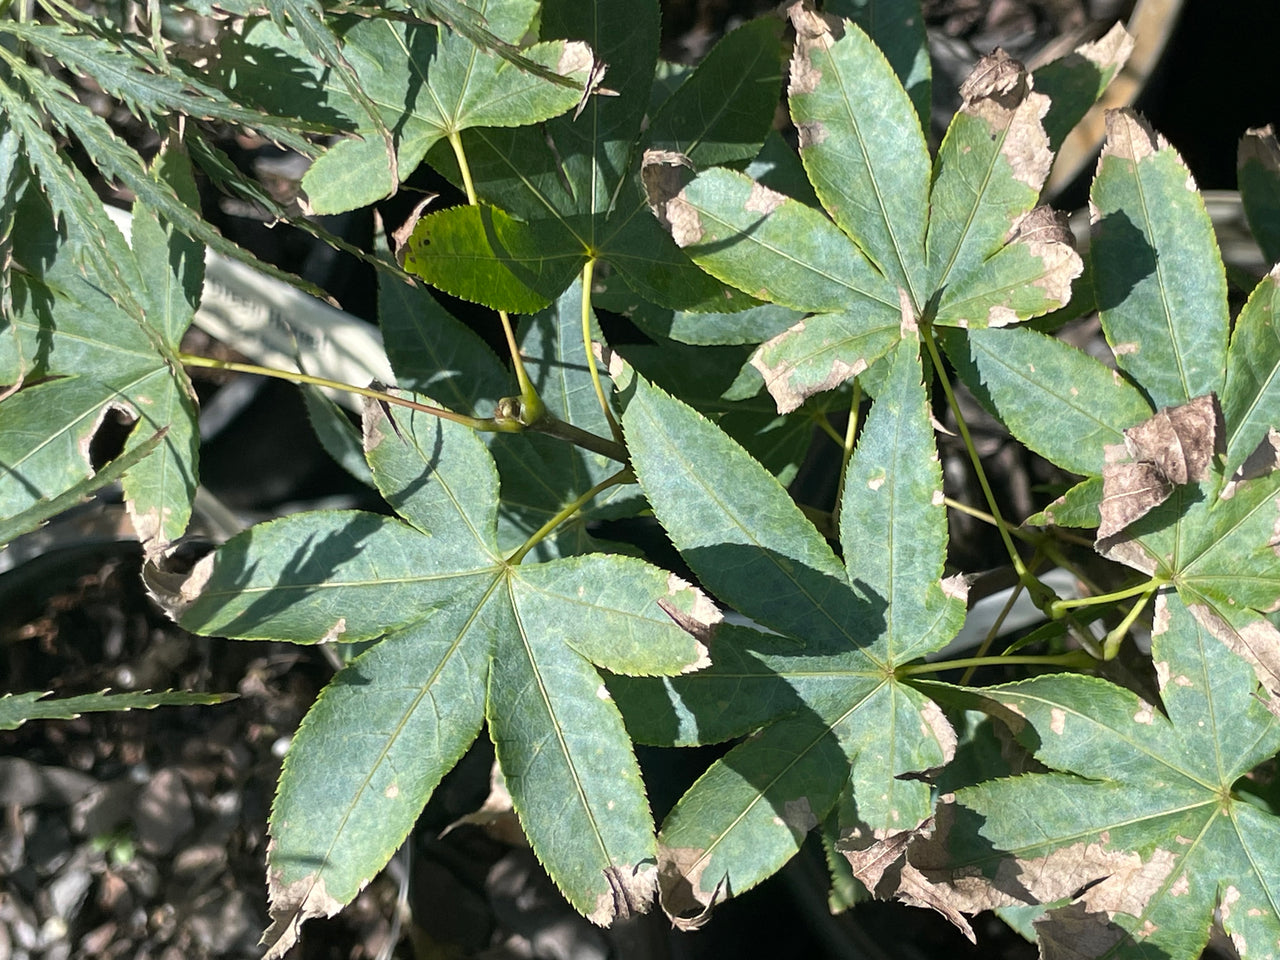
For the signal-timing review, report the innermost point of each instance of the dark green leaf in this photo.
(1074, 83)
(433, 89)
(1259, 176)
(1251, 396)
(722, 112)
(336, 433)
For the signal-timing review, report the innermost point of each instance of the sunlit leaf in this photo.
(1140, 822)
(570, 185)
(467, 637)
(1157, 273)
(821, 696)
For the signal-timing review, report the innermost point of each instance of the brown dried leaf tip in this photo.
(1174, 447)
(176, 576)
(999, 92)
(814, 31)
(680, 886)
(665, 174)
(1259, 145)
(630, 894)
(291, 906)
(997, 77)
(400, 236)
(1130, 137)
(1047, 235)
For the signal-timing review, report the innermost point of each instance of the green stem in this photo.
(588, 272)
(1075, 658)
(555, 427)
(1058, 607)
(506, 420)
(1037, 590)
(529, 398)
(1111, 643)
(994, 632)
(455, 141)
(985, 517)
(475, 423)
(822, 423)
(622, 476)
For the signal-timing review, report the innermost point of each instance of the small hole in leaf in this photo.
(108, 442)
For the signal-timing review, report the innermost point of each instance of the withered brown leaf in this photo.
(1173, 447)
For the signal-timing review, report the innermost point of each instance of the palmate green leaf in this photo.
(105, 355)
(821, 697)
(961, 245)
(1139, 824)
(467, 638)
(17, 708)
(1158, 276)
(1258, 172)
(427, 84)
(1062, 403)
(433, 87)
(572, 183)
